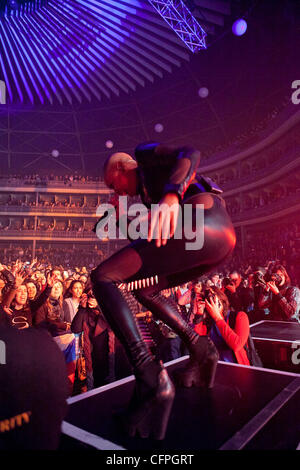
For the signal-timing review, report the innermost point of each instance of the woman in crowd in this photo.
(51, 317)
(72, 300)
(280, 297)
(229, 330)
(36, 297)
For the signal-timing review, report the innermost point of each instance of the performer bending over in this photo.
(163, 176)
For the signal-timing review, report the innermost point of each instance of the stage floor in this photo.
(278, 344)
(282, 331)
(248, 408)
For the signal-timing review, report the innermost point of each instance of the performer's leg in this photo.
(202, 366)
(142, 259)
(154, 392)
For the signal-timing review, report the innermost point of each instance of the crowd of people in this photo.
(61, 301)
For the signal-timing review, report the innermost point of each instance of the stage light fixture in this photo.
(182, 21)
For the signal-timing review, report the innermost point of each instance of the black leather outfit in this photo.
(161, 171)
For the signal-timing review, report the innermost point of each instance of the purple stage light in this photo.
(239, 27)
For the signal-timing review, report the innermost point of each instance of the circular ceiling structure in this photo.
(76, 51)
(19, 8)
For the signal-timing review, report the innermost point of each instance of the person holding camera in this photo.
(282, 299)
(98, 341)
(228, 330)
(194, 297)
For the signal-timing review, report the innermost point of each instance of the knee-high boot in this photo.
(202, 365)
(154, 392)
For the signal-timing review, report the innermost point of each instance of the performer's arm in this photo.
(184, 162)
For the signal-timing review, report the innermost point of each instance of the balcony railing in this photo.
(248, 214)
(47, 234)
(19, 182)
(271, 130)
(279, 164)
(58, 210)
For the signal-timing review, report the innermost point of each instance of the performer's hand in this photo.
(214, 308)
(273, 287)
(164, 219)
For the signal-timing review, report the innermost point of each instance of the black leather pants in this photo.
(173, 265)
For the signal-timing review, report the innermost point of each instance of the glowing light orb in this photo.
(203, 92)
(55, 153)
(239, 27)
(109, 144)
(158, 128)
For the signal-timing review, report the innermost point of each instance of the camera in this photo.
(259, 279)
(228, 282)
(275, 278)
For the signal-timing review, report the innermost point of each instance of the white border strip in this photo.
(277, 340)
(103, 388)
(257, 323)
(264, 369)
(281, 321)
(88, 438)
(242, 437)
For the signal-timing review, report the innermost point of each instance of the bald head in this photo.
(120, 173)
(117, 161)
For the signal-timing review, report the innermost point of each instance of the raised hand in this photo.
(20, 278)
(273, 288)
(50, 280)
(7, 310)
(33, 262)
(83, 300)
(214, 308)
